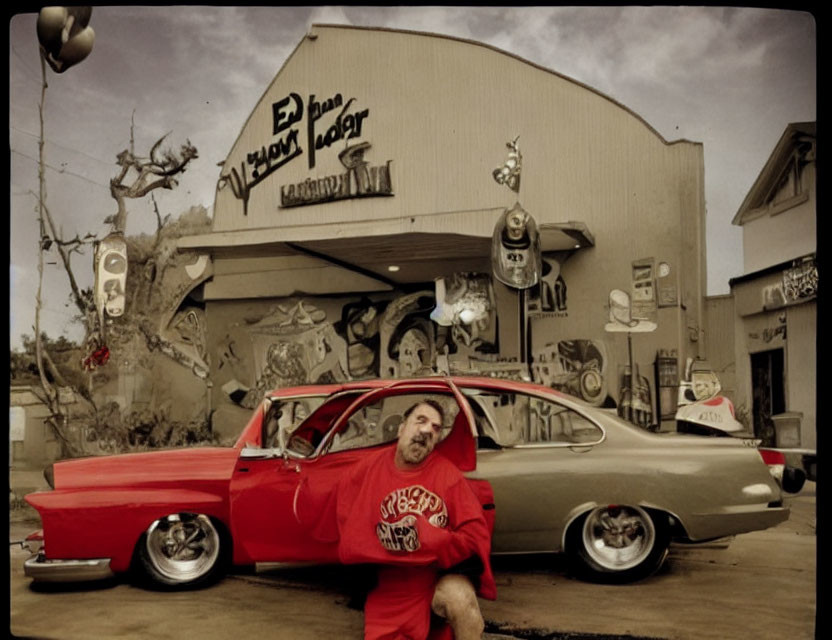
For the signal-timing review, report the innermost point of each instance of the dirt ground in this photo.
(758, 585)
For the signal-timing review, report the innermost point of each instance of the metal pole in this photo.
(632, 376)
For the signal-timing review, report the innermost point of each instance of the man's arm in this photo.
(467, 533)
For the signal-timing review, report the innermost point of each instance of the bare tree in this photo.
(159, 171)
(136, 178)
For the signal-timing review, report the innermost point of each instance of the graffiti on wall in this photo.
(768, 334)
(576, 367)
(327, 122)
(773, 296)
(801, 281)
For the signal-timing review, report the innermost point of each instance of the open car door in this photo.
(322, 449)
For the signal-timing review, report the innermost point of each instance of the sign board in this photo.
(17, 424)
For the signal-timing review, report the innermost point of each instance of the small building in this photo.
(355, 217)
(775, 329)
(32, 443)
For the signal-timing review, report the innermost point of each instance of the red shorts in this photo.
(399, 606)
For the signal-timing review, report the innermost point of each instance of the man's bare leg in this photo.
(456, 601)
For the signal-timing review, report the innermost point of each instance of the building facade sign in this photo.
(287, 144)
(360, 180)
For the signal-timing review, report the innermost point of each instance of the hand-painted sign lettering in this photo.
(360, 180)
(346, 125)
(286, 146)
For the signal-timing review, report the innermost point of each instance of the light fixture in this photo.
(393, 268)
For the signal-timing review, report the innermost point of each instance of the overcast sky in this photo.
(729, 78)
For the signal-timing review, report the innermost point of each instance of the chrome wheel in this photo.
(618, 538)
(182, 548)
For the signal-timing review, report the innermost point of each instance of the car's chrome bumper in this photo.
(42, 569)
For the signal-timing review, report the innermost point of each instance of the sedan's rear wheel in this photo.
(182, 550)
(618, 543)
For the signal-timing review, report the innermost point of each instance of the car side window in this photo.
(512, 419)
(287, 415)
(378, 423)
(552, 422)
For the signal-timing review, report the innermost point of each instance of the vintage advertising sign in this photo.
(643, 299)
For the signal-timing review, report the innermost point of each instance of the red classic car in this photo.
(564, 476)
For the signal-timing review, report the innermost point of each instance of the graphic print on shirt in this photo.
(397, 529)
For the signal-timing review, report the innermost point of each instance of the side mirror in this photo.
(256, 453)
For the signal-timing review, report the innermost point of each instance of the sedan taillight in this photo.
(776, 462)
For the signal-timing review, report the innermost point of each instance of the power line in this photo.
(33, 76)
(58, 144)
(63, 171)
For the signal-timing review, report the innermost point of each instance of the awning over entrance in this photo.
(396, 257)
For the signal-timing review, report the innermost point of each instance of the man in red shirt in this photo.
(410, 510)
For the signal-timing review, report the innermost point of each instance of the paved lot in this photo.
(761, 585)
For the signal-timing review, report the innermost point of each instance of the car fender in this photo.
(575, 513)
(585, 507)
(108, 522)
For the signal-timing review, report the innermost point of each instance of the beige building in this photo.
(776, 299)
(32, 443)
(362, 191)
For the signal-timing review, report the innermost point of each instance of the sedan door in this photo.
(534, 452)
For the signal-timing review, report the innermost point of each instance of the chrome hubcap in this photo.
(183, 547)
(618, 537)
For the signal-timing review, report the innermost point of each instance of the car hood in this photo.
(148, 468)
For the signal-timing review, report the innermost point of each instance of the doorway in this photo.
(768, 392)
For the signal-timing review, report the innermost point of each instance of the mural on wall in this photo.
(408, 341)
(465, 303)
(549, 299)
(801, 281)
(328, 121)
(298, 342)
(295, 345)
(577, 367)
(188, 328)
(360, 327)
